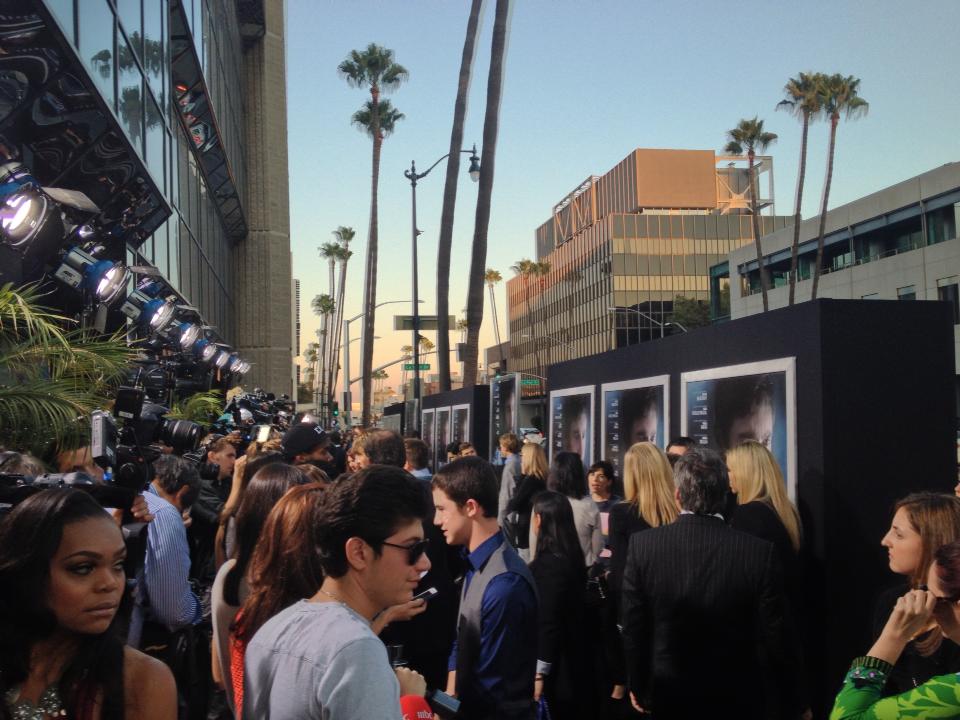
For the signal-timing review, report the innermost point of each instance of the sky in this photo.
(585, 83)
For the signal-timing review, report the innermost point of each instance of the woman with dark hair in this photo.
(566, 477)
(62, 580)
(937, 697)
(268, 485)
(602, 479)
(244, 470)
(563, 660)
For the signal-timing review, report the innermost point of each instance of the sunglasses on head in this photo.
(415, 551)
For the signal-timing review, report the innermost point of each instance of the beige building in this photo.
(622, 246)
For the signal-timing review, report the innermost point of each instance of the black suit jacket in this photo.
(702, 612)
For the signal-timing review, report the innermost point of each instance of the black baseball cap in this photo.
(303, 439)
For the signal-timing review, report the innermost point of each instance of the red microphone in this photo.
(415, 707)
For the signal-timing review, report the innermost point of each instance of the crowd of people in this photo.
(314, 575)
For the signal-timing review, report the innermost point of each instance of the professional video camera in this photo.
(261, 408)
(131, 447)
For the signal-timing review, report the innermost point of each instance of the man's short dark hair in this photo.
(469, 478)
(371, 504)
(682, 441)
(172, 473)
(417, 452)
(453, 448)
(701, 478)
(384, 447)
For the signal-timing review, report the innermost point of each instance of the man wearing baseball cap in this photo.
(306, 442)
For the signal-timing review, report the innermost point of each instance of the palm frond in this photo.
(42, 413)
(22, 315)
(200, 407)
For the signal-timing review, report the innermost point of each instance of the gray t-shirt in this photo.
(318, 660)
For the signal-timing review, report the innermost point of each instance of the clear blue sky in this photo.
(586, 82)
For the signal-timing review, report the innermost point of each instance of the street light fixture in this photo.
(346, 355)
(412, 175)
(659, 324)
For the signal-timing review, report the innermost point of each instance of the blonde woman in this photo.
(532, 480)
(650, 502)
(763, 508)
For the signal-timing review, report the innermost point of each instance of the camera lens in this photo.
(181, 434)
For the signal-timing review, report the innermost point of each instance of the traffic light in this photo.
(336, 409)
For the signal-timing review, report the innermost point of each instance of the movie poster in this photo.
(633, 411)
(571, 422)
(503, 407)
(443, 438)
(460, 429)
(428, 435)
(725, 406)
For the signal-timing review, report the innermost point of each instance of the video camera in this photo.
(131, 446)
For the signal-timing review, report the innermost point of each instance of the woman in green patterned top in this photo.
(939, 697)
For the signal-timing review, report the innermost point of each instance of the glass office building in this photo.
(619, 250)
(145, 106)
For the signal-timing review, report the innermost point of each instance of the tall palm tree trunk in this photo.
(370, 285)
(531, 325)
(445, 244)
(755, 210)
(478, 258)
(331, 356)
(338, 328)
(801, 177)
(496, 324)
(834, 121)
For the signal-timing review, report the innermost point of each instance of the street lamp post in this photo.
(661, 325)
(346, 357)
(413, 176)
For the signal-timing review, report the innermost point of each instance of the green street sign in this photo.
(411, 366)
(530, 381)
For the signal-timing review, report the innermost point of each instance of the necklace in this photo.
(332, 596)
(49, 704)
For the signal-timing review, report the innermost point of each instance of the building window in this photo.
(907, 293)
(947, 290)
(870, 296)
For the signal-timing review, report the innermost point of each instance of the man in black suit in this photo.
(703, 611)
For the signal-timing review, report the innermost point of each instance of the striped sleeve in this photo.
(166, 569)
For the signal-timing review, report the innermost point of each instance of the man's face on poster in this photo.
(643, 428)
(577, 436)
(755, 425)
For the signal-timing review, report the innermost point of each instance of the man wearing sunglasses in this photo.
(494, 659)
(319, 657)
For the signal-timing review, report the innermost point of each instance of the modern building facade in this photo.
(170, 115)
(896, 244)
(620, 248)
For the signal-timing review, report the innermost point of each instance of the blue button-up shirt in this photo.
(508, 627)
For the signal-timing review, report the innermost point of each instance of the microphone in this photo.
(445, 706)
(415, 707)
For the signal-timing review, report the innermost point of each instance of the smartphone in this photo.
(427, 594)
(263, 433)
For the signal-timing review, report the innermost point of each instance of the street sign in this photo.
(411, 366)
(427, 322)
(530, 381)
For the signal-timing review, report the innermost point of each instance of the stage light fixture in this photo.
(30, 224)
(221, 359)
(235, 363)
(244, 367)
(104, 278)
(189, 334)
(153, 313)
(204, 350)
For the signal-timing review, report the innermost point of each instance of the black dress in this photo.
(563, 639)
(759, 519)
(522, 504)
(624, 522)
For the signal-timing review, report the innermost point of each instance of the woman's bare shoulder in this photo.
(151, 692)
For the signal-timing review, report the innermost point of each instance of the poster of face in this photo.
(503, 407)
(633, 411)
(443, 437)
(571, 422)
(427, 433)
(460, 431)
(725, 406)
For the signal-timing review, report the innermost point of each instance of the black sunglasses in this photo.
(415, 551)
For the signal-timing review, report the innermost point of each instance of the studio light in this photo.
(105, 279)
(221, 360)
(31, 225)
(235, 363)
(152, 313)
(189, 334)
(244, 367)
(204, 350)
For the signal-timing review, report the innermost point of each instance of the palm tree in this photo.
(375, 69)
(540, 270)
(323, 306)
(492, 277)
(310, 355)
(839, 95)
(445, 244)
(344, 235)
(329, 251)
(52, 374)
(749, 136)
(526, 268)
(478, 256)
(803, 101)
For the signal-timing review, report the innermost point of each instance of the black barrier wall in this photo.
(875, 388)
(478, 398)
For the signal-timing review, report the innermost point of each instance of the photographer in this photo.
(165, 601)
(205, 512)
